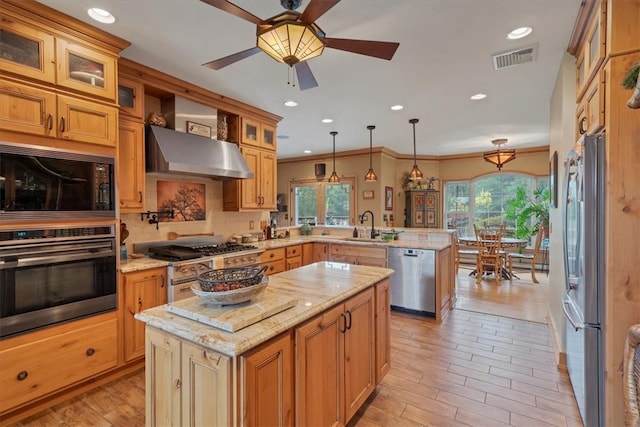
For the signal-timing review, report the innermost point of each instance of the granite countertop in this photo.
(316, 287)
(408, 243)
(144, 263)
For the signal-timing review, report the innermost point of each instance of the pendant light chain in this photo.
(371, 175)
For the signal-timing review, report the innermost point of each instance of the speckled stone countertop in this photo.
(316, 287)
(414, 244)
(143, 263)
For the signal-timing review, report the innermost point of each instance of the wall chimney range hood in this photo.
(170, 151)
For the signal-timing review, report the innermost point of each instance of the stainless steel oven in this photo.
(53, 275)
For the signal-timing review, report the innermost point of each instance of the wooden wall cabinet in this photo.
(43, 366)
(186, 384)
(258, 134)
(257, 193)
(131, 97)
(268, 398)
(383, 329)
(593, 50)
(359, 255)
(131, 166)
(27, 51)
(336, 350)
(142, 289)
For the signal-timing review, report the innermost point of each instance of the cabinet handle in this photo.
(162, 284)
(91, 351)
(50, 122)
(349, 313)
(22, 375)
(343, 316)
(62, 125)
(178, 383)
(140, 193)
(581, 128)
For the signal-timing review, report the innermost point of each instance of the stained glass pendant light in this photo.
(499, 156)
(334, 178)
(415, 174)
(371, 175)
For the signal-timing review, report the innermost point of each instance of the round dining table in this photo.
(506, 242)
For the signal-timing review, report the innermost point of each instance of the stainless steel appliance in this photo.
(38, 183)
(53, 275)
(584, 253)
(413, 286)
(190, 257)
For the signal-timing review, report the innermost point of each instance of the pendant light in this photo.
(415, 174)
(371, 175)
(334, 178)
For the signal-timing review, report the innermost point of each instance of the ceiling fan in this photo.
(293, 38)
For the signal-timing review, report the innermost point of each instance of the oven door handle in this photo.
(39, 260)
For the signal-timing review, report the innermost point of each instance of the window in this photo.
(321, 203)
(482, 200)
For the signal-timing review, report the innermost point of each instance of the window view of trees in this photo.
(321, 203)
(482, 201)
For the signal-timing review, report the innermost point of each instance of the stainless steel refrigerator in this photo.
(583, 228)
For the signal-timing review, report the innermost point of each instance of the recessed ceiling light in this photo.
(478, 96)
(290, 103)
(327, 120)
(519, 33)
(101, 15)
(397, 107)
(307, 151)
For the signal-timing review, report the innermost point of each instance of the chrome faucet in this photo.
(363, 218)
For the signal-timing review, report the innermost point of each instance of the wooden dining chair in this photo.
(459, 253)
(631, 377)
(490, 254)
(532, 257)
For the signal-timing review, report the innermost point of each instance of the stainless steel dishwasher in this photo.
(413, 286)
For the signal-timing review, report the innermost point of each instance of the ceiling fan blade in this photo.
(315, 9)
(234, 10)
(228, 60)
(382, 50)
(306, 80)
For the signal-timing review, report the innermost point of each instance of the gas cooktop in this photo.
(223, 248)
(181, 252)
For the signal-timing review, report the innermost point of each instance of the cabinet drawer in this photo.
(294, 251)
(274, 267)
(359, 251)
(294, 262)
(41, 367)
(272, 255)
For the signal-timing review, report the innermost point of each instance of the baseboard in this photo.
(561, 357)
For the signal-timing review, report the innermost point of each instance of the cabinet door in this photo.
(319, 370)
(268, 134)
(131, 97)
(250, 132)
(206, 387)
(594, 104)
(581, 120)
(162, 379)
(268, 384)
(27, 51)
(85, 121)
(274, 267)
(86, 70)
(27, 109)
(307, 253)
(250, 191)
(383, 331)
(359, 352)
(268, 181)
(320, 252)
(294, 263)
(131, 168)
(142, 290)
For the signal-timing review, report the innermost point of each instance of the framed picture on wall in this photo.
(367, 194)
(388, 198)
(553, 179)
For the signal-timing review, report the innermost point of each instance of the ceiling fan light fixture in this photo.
(415, 174)
(290, 41)
(334, 178)
(370, 176)
(499, 157)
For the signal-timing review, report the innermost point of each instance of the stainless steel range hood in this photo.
(169, 151)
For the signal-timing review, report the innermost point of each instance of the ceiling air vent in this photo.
(514, 57)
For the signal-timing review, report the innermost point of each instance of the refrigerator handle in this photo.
(566, 307)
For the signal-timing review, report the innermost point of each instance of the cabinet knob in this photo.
(271, 255)
(91, 351)
(22, 375)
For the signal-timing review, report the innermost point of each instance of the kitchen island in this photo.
(197, 374)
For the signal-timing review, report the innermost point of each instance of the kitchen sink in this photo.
(365, 240)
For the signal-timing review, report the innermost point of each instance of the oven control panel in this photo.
(241, 260)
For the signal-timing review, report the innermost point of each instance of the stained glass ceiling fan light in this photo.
(371, 175)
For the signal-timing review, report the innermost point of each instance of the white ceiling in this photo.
(444, 57)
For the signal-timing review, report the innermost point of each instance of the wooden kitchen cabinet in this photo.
(445, 283)
(131, 166)
(27, 51)
(314, 252)
(359, 255)
(131, 97)
(293, 257)
(422, 209)
(268, 383)
(274, 259)
(257, 193)
(335, 362)
(142, 289)
(258, 134)
(86, 121)
(43, 366)
(186, 384)
(383, 330)
(590, 110)
(593, 50)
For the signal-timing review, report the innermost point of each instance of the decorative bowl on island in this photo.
(235, 296)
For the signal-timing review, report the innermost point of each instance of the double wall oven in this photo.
(50, 275)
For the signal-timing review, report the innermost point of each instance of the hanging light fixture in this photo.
(334, 178)
(499, 157)
(290, 41)
(415, 174)
(371, 175)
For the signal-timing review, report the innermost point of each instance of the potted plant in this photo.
(529, 212)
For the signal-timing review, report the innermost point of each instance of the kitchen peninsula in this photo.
(197, 374)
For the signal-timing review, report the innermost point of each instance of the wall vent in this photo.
(515, 57)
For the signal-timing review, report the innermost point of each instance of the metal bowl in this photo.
(236, 296)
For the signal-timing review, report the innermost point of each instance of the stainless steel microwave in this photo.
(39, 183)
